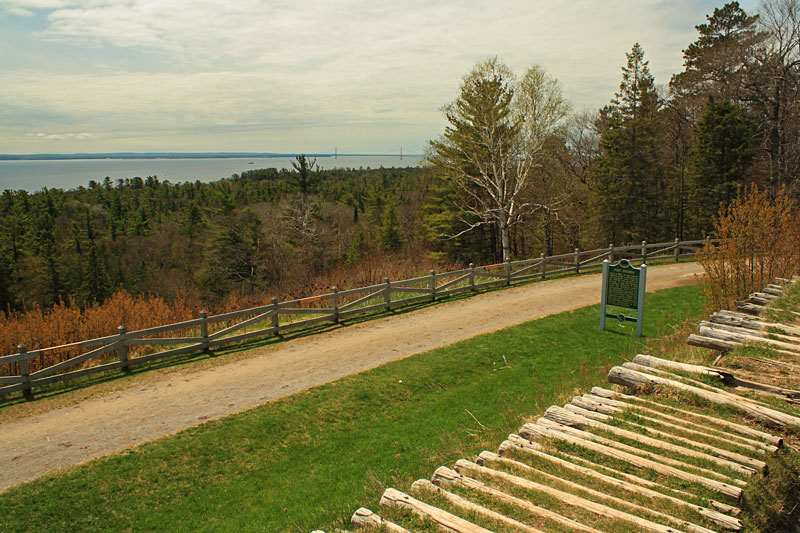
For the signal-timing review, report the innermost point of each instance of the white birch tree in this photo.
(497, 128)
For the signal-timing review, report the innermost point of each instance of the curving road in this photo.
(72, 435)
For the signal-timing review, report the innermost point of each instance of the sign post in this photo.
(623, 286)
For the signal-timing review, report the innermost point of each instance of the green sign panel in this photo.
(623, 285)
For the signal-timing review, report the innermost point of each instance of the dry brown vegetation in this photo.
(759, 242)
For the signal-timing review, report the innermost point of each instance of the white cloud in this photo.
(315, 64)
(20, 11)
(62, 136)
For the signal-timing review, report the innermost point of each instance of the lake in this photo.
(71, 173)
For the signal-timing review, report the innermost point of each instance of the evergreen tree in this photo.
(720, 159)
(305, 178)
(716, 63)
(477, 153)
(95, 277)
(389, 236)
(236, 254)
(629, 190)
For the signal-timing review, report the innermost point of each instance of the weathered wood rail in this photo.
(207, 332)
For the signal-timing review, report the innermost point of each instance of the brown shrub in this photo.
(760, 240)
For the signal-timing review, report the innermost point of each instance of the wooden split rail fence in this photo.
(25, 369)
(608, 457)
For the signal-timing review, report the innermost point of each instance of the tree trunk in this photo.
(505, 240)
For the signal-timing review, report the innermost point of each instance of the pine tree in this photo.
(304, 179)
(720, 159)
(629, 192)
(716, 63)
(389, 236)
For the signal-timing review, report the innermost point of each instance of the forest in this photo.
(516, 172)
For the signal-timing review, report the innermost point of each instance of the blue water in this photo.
(72, 173)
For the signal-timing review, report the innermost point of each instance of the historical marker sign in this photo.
(623, 286)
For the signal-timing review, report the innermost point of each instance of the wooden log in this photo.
(749, 308)
(521, 442)
(770, 289)
(755, 321)
(657, 362)
(727, 376)
(764, 296)
(739, 428)
(684, 426)
(585, 435)
(693, 382)
(364, 518)
(600, 417)
(725, 323)
(752, 308)
(741, 337)
(739, 314)
(536, 432)
(712, 344)
(585, 402)
(684, 379)
(721, 519)
(463, 503)
(570, 499)
(754, 465)
(724, 520)
(446, 476)
(781, 364)
(738, 320)
(757, 300)
(443, 519)
(570, 419)
(633, 379)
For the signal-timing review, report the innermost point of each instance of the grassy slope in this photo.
(309, 460)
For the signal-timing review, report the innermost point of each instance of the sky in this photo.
(360, 76)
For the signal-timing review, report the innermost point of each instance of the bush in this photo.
(760, 240)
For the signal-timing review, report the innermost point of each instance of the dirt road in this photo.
(68, 436)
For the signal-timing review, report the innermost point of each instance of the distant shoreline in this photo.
(174, 155)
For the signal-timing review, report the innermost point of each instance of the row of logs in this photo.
(660, 435)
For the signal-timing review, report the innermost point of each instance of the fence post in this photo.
(204, 329)
(432, 285)
(644, 251)
(677, 249)
(335, 299)
(25, 372)
(472, 277)
(387, 293)
(123, 349)
(542, 270)
(275, 319)
(507, 270)
(577, 262)
(611, 252)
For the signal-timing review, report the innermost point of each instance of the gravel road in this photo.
(99, 426)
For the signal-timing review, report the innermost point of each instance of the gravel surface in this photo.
(99, 426)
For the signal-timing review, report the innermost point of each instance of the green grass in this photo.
(309, 460)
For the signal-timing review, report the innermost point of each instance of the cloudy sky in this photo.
(366, 76)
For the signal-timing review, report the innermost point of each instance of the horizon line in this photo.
(189, 155)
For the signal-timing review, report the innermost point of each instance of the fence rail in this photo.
(206, 332)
